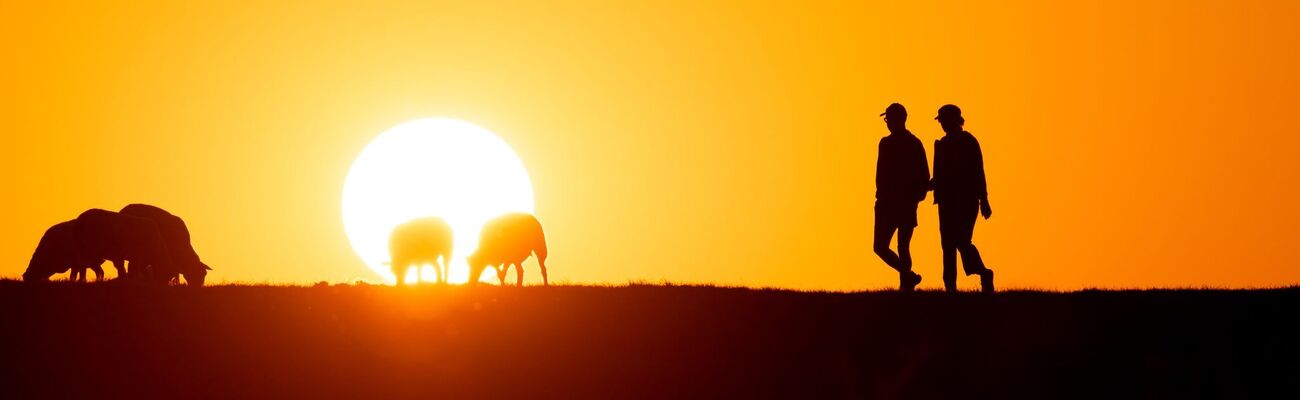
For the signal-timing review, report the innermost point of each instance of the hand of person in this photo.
(985, 209)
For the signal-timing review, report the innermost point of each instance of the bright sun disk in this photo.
(440, 167)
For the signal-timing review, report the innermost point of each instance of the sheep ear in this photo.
(205, 266)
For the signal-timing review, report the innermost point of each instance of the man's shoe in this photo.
(986, 280)
(909, 282)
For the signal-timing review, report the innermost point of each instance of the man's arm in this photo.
(880, 166)
(922, 168)
(983, 189)
(936, 183)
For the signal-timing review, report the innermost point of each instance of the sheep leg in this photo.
(99, 272)
(437, 271)
(475, 273)
(399, 271)
(75, 274)
(519, 271)
(120, 266)
(501, 273)
(542, 264)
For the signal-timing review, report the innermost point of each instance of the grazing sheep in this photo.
(98, 235)
(506, 240)
(417, 242)
(120, 238)
(177, 238)
(57, 252)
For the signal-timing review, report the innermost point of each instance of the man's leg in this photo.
(905, 248)
(883, 233)
(946, 239)
(974, 265)
(949, 268)
(971, 261)
(961, 229)
(907, 279)
(888, 221)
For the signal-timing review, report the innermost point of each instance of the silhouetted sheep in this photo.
(97, 235)
(506, 240)
(177, 238)
(417, 242)
(57, 252)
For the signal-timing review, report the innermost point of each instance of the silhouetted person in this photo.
(961, 193)
(902, 179)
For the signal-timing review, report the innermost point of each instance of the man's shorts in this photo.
(896, 215)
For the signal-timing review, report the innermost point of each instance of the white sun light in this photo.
(439, 167)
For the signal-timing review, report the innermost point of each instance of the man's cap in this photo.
(895, 109)
(949, 112)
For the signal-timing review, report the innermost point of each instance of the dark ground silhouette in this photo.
(113, 340)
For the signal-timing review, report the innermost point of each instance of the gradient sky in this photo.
(1128, 143)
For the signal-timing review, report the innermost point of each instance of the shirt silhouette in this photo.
(902, 170)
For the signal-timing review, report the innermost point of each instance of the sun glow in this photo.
(439, 167)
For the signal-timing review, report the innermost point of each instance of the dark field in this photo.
(114, 341)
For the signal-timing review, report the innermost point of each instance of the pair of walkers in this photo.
(902, 181)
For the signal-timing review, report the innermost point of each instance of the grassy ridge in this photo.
(65, 340)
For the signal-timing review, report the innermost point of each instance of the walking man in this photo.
(961, 193)
(902, 179)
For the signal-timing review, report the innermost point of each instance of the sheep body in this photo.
(177, 237)
(57, 252)
(509, 240)
(418, 242)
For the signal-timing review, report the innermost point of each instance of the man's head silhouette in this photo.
(895, 117)
(950, 118)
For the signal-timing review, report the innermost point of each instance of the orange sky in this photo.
(1128, 144)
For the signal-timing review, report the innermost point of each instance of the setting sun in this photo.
(439, 167)
(676, 199)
